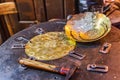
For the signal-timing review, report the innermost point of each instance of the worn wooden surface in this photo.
(37, 11)
(40, 10)
(10, 69)
(3, 30)
(115, 16)
(7, 8)
(54, 9)
(69, 7)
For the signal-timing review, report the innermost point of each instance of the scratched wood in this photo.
(7, 8)
(29, 12)
(54, 9)
(40, 10)
(37, 11)
(26, 10)
(69, 7)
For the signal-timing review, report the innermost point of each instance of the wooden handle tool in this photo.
(44, 66)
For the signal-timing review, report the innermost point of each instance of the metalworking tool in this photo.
(105, 48)
(52, 68)
(97, 68)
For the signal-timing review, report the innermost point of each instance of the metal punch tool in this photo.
(39, 31)
(105, 48)
(21, 38)
(18, 46)
(97, 68)
(77, 55)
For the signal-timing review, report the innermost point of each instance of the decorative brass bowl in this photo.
(87, 27)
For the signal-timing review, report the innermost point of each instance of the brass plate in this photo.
(49, 46)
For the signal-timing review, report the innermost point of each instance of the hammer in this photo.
(48, 67)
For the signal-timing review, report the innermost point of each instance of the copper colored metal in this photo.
(97, 68)
(105, 48)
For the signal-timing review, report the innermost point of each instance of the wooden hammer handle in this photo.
(38, 65)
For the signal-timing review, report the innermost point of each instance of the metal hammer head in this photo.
(71, 72)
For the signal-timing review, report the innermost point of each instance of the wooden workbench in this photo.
(10, 69)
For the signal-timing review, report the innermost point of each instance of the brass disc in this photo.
(49, 46)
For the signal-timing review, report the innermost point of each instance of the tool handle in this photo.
(39, 65)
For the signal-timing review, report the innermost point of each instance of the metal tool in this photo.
(18, 45)
(77, 55)
(21, 38)
(71, 72)
(52, 68)
(39, 31)
(97, 68)
(105, 48)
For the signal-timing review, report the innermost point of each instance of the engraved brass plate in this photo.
(49, 46)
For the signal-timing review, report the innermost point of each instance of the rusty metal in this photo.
(39, 31)
(18, 46)
(105, 48)
(76, 55)
(97, 68)
(21, 38)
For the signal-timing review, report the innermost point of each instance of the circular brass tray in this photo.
(49, 46)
